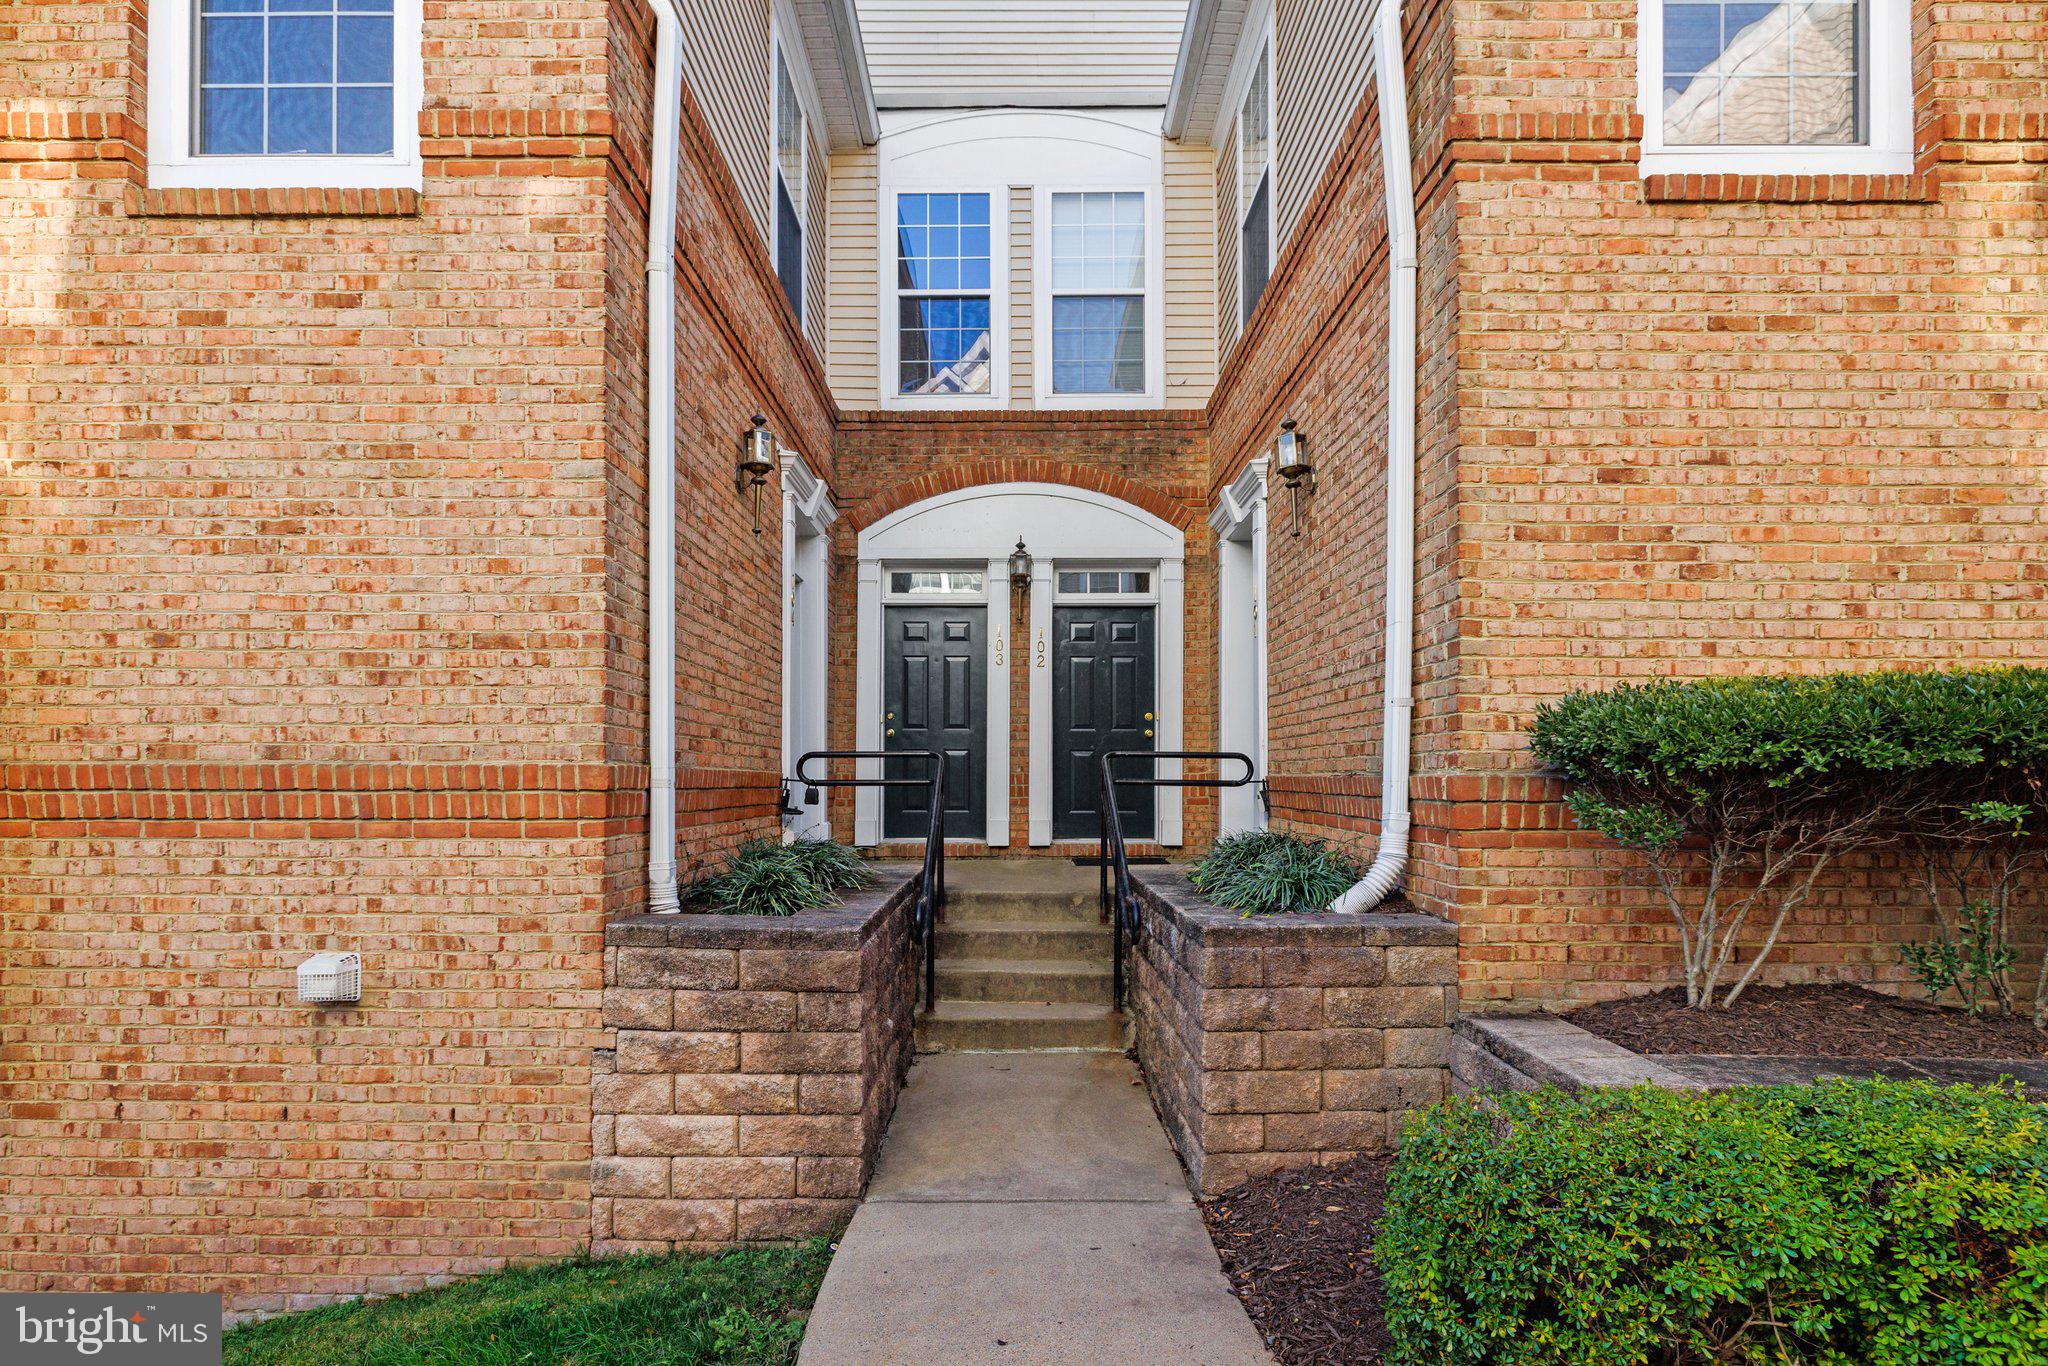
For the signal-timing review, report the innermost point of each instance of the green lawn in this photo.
(742, 1306)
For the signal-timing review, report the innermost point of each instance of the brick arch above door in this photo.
(969, 474)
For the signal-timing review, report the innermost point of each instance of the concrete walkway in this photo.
(1027, 1209)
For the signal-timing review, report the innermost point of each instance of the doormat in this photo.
(1133, 861)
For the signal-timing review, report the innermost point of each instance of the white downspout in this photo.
(1398, 689)
(661, 466)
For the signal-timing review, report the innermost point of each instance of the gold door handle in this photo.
(1148, 734)
(892, 731)
(1148, 716)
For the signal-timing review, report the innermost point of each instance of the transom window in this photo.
(1098, 293)
(304, 76)
(1105, 581)
(789, 186)
(1255, 189)
(945, 340)
(1797, 86)
(937, 582)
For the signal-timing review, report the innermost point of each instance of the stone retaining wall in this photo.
(1277, 1041)
(758, 1060)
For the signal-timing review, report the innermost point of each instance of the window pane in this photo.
(301, 120)
(942, 241)
(301, 49)
(789, 248)
(233, 51)
(362, 49)
(1098, 344)
(1745, 73)
(1254, 138)
(1098, 241)
(789, 132)
(362, 120)
(1254, 261)
(231, 121)
(944, 345)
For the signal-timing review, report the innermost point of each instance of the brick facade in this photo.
(323, 569)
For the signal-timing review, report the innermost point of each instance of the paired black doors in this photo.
(1104, 697)
(935, 696)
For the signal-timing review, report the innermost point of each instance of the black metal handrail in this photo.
(1119, 903)
(931, 891)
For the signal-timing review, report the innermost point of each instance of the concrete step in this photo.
(1058, 940)
(1016, 1027)
(999, 979)
(981, 906)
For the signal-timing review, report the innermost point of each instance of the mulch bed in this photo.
(1297, 1246)
(1808, 1021)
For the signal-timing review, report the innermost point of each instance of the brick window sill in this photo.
(150, 202)
(1918, 188)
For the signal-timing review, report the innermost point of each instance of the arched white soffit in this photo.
(1031, 147)
(1056, 521)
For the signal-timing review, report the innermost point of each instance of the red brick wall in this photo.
(1154, 460)
(1315, 352)
(1702, 438)
(323, 568)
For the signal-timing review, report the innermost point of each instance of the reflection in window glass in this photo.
(945, 341)
(1254, 191)
(1098, 302)
(937, 581)
(309, 77)
(1763, 75)
(789, 188)
(1105, 581)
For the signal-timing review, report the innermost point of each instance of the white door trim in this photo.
(981, 525)
(807, 516)
(1239, 519)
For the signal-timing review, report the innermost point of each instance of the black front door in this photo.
(1103, 698)
(935, 696)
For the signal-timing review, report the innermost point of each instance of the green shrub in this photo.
(1765, 782)
(1850, 1222)
(1269, 872)
(766, 877)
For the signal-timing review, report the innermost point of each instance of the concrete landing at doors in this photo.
(1027, 1209)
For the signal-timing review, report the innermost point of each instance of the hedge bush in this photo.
(1270, 872)
(767, 877)
(1766, 781)
(1868, 1222)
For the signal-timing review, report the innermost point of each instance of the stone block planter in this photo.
(756, 1065)
(1275, 1041)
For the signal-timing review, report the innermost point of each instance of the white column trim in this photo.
(1239, 519)
(1172, 694)
(998, 674)
(1040, 663)
(867, 701)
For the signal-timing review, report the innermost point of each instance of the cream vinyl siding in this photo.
(1190, 275)
(1024, 52)
(725, 60)
(1320, 50)
(853, 322)
(1225, 165)
(817, 245)
(1021, 300)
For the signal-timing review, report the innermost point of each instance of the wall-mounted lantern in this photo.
(1291, 463)
(757, 461)
(1020, 568)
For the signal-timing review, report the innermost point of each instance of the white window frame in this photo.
(1148, 598)
(1238, 91)
(998, 298)
(1154, 393)
(793, 58)
(1888, 97)
(173, 89)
